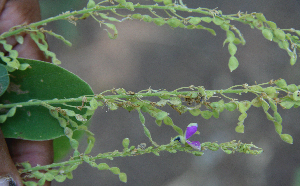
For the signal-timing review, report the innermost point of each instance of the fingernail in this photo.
(7, 181)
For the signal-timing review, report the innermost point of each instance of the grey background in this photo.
(146, 55)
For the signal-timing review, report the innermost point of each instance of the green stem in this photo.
(104, 97)
(104, 8)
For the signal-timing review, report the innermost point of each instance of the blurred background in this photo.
(145, 55)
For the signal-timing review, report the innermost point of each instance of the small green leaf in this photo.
(113, 27)
(270, 90)
(91, 4)
(168, 121)
(206, 114)
(242, 117)
(19, 39)
(161, 115)
(11, 112)
(231, 106)
(277, 117)
(225, 26)
(125, 142)
(292, 88)
(129, 6)
(147, 18)
(278, 127)
(60, 178)
(206, 19)
(177, 129)
(94, 104)
(267, 33)
(141, 116)
(123, 177)
(281, 83)
(265, 105)
(136, 16)
(256, 102)
(103, 166)
(261, 17)
(147, 132)
(30, 183)
(287, 138)
(195, 112)
(279, 34)
(273, 105)
(218, 21)
(167, 2)
(158, 122)
(232, 49)
(239, 129)
(296, 95)
(159, 21)
(115, 170)
(233, 63)
(174, 22)
(194, 20)
(26, 165)
(287, 104)
(91, 142)
(230, 36)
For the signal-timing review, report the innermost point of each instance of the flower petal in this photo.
(195, 144)
(190, 130)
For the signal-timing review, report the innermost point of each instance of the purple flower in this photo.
(190, 130)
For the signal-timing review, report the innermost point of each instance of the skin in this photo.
(12, 13)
